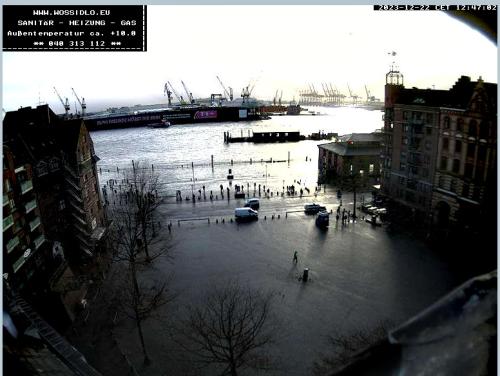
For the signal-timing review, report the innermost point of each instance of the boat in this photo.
(182, 114)
(162, 124)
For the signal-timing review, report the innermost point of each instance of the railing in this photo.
(5, 200)
(26, 186)
(39, 241)
(12, 243)
(34, 223)
(8, 222)
(30, 206)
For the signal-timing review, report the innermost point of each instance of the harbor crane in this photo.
(81, 102)
(353, 96)
(228, 93)
(188, 93)
(179, 97)
(66, 104)
(247, 91)
(369, 96)
(167, 91)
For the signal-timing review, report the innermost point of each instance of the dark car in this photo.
(313, 208)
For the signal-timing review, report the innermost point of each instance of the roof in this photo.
(360, 137)
(459, 96)
(38, 133)
(345, 149)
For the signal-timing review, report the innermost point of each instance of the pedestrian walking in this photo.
(295, 258)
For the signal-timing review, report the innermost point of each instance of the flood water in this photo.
(182, 151)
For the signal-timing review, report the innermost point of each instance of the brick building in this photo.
(356, 153)
(51, 191)
(439, 157)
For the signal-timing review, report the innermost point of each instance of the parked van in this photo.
(245, 214)
(252, 203)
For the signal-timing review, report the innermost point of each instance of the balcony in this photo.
(34, 224)
(5, 200)
(39, 241)
(8, 222)
(12, 243)
(30, 206)
(26, 186)
(17, 265)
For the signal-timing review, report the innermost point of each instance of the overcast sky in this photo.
(282, 47)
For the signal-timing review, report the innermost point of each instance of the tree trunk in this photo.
(136, 311)
(233, 369)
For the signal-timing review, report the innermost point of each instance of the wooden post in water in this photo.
(212, 161)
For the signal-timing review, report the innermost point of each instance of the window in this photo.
(483, 130)
(54, 164)
(371, 168)
(453, 185)
(406, 115)
(428, 145)
(469, 169)
(429, 118)
(446, 122)
(481, 153)
(405, 140)
(456, 166)
(405, 128)
(41, 169)
(441, 181)
(460, 125)
(445, 144)
(403, 155)
(428, 131)
(471, 150)
(62, 205)
(458, 146)
(402, 166)
(425, 172)
(444, 163)
(473, 128)
(465, 190)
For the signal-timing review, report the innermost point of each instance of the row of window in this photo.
(466, 190)
(472, 129)
(471, 149)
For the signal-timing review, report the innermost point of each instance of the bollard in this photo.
(278, 216)
(286, 215)
(265, 218)
(223, 220)
(305, 275)
(272, 217)
(217, 221)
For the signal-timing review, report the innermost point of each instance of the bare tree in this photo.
(229, 328)
(137, 299)
(343, 348)
(144, 200)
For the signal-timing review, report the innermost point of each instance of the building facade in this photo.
(54, 221)
(353, 154)
(439, 151)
